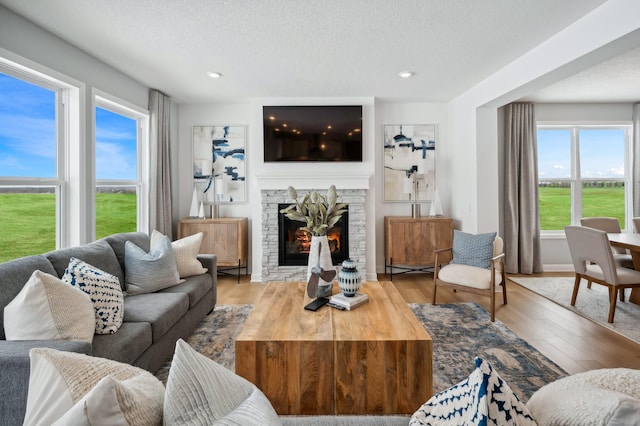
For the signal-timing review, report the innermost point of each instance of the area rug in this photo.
(460, 332)
(591, 303)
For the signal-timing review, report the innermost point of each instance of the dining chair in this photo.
(610, 224)
(636, 224)
(472, 273)
(593, 260)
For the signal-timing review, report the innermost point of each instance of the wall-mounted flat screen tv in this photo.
(312, 133)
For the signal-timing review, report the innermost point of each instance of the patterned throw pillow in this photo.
(49, 309)
(104, 291)
(150, 272)
(67, 388)
(481, 399)
(186, 251)
(202, 392)
(473, 250)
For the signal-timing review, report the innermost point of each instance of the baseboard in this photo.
(558, 268)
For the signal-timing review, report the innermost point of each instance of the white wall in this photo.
(376, 115)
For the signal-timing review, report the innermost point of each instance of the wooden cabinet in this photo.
(226, 237)
(409, 243)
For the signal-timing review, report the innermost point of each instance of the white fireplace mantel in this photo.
(319, 182)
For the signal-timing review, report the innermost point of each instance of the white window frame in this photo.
(105, 101)
(575, 180)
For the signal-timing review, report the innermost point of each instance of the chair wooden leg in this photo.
(576, 287)
(504, 287)
(433, 299)
(493, 306)
(588, 283)
(621, 294)
(612, 303)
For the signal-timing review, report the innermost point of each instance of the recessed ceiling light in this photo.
(214, 74)
(406, 74)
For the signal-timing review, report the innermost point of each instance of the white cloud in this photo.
(618, 171)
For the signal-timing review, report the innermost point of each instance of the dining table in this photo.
(630, 242)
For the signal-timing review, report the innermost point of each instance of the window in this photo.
(31, 113)
(581, 173)
(119, 187)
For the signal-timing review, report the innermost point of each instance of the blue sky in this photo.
(601, 153)
(27, 135)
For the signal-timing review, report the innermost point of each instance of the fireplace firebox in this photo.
(294, 243)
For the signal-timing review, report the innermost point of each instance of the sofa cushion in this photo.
(149, 272)
(202, 392)
(48, 308)
(161, 310)
(104, 291)
(97, 253)
(127, 345)
(59, 380)
(482, 398)
(195, 287)
(13, 275)
(186, 252)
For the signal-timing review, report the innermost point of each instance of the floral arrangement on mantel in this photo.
(319, 212)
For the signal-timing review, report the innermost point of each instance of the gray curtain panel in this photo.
(636, 160)
(160, 164)
(521, 217)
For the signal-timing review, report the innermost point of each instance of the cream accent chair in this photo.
(593, 260)
(620, 255)
(636, 223)
(473, 279)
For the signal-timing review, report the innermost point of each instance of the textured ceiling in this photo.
(310, 48)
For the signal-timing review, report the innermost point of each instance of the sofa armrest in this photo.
(15, 367)
(210, 261)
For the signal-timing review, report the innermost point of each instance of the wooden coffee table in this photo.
(376, 359)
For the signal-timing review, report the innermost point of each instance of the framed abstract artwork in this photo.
(219, 164)
(409, 162)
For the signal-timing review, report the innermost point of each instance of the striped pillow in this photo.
(202, 392)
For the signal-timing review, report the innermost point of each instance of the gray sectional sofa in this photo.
(152, 322)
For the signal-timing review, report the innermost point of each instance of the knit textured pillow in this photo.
(481, 399)
(150, 272)
(49, 309)
(68, 388)
(202, 392)
(473, 250)
(186, 252)
(104, 291)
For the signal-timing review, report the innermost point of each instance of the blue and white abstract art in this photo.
(219, 163)
(409, 162)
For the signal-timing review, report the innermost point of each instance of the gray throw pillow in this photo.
(150, 272)
(473, 250)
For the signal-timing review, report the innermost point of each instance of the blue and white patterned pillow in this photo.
(474, 250)
(481, 399)
(103, 289)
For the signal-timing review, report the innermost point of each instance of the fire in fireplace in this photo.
(294, 243)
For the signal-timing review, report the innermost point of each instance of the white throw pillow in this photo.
(609, 396)
(69, 388)
(150, 272)
(49, 309)
(202, 392)
(103, 289)
(186, 252)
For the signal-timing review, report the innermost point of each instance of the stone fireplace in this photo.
(272, 199)
(294, 243)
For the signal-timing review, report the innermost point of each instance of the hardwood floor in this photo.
(573, 342)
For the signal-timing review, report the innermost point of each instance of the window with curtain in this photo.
(119, 183)
(582, 172)
(31, 163)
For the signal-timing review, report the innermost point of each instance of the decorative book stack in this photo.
(349, 303)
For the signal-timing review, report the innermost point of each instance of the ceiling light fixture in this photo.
(214, 74)
(406, 74)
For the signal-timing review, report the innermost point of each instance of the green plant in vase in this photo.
(319, 213)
